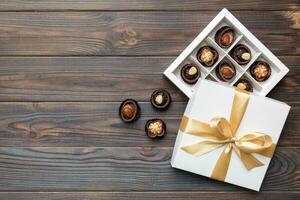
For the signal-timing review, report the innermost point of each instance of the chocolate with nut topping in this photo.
(241, 54)
(260, 71)
(207, 56)
(160, 99)
(224, 36)
(155, 128)
(244, 84)
(225, 71)
(129, 110)
(190, 73)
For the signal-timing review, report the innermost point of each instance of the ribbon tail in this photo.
(221, 167)
(248, 159)
(268, 152)
(201, 148)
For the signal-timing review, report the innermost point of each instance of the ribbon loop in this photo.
(222, 126)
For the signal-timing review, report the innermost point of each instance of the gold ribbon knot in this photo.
(221, 133)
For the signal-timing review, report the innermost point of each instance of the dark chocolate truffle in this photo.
(207, 56)
(190, 73)
(129, 110)
(260, 71)
(160, 99)
(224, 36)
(155, 128)
(225, 71)
(241, 54)
(244, 84)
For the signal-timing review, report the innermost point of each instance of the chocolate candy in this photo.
(160, 99)
(241, 54)
(190, 73)
(244, 84)
(260, 71)
(207, 56)
(225, 71)
(155, 128)
(224, 36)
(129, 110)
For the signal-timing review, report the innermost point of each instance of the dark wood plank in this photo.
(15, 5)
(98, 124)
(124, 33)
(173, 195)
(123, 169)
(105, 79)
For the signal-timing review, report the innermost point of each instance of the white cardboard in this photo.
(262, 115)
(279, 70)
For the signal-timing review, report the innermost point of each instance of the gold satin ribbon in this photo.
(221, 133)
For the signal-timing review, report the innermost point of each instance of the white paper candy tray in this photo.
(242, 36)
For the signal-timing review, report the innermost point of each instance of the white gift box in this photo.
(242, 36)
(211, 100)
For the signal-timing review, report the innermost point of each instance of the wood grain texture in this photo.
(66, 65)
(132, 33)
(98, 124)
(173, 195)
(123, 169)
(16, 5)
(106, 79)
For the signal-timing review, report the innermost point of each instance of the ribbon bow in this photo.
(221, 133)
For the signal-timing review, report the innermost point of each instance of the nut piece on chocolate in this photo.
(190, 73)
(207, 56)
(160, 99)
(155, 128)
(244, 84)
(224, 36)
(129, 110)
(260, 71)
(241, 54)
(225, 71)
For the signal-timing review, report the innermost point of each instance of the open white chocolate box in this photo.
(242, 36)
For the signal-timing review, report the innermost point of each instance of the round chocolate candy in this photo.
(224, 36)
(190, 73)
(260, 71)
(160, 99)
(155, 128)
(241, 54)
(207, 56)
(244, 84)
(129, 110)
(225, 71)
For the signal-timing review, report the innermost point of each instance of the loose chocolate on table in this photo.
(225, 71)
(129, 110)
(207, 56)
(155, 128)
(160, 99)
(190, 73)
(244, 84)
(260, 71)
(224, 36)
(241, 54)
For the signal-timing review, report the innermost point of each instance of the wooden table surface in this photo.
(65, 66)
